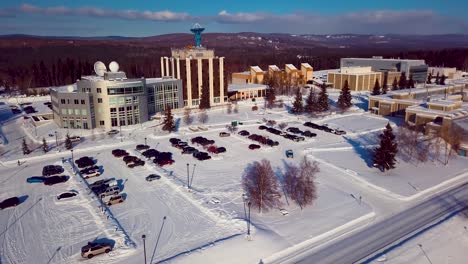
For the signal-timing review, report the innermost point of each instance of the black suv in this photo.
(51, 170)
(84, 162)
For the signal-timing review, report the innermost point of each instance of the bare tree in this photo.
(229, 108)
(282, 125)
(188, 119)
(203, 117)
(261, 185)
(299, 182)
(236, 108)
(452, 139)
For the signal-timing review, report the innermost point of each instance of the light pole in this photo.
(145, 142)
(144, 246)
(248, 226)
(56, 140)
(188, 176)
(72, 161)
(424, 252)
(120, 126)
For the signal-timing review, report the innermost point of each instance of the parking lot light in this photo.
(144, 245)
(145, 142)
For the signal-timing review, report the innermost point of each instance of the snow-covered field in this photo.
(206, 224)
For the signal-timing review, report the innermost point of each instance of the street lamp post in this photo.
(188, 176)
(145, 142)
(248, 226)
(424, 252)
(144, 246)
(56, 140)
(121, 139)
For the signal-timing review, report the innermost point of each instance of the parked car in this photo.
(189, 150)
(115, 200)
(174, 140)
(135, 163)
(84, 162)
(254, 146)
(111, 190)
(163, 162)
(55, 180)
(141, 147)
(181, 145)
(152, 177)
(89, 169)
(339, 132)
(93, 249)
(221, 150)
(297, 139)
(75, 138)
(150, 153)
(51, 170)
(262, 127)
(128, 159)
(307, 133)
(91, 173)
(67, 195)
(224, 134)
(109, 182)
(289, 153)
(10, 202)
(202, 156)
(112, 132)
(244, 133)
(36, 179)
(118, 153)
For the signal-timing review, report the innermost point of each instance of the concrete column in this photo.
(189, 82)
(167, 66)
(172, 68)
(178, 68)
(162, 67)
(210, 71)
(221, 79)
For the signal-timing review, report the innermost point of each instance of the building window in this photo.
(98, 90)
(85, 125)
(113, 110)
(101, 122)
(62, 101)
(76, 101)
(77, 112)
(82, 101)
(99, 100)
(128, 100)
(64, 111)
(84, 112)
(114, 121)
(70, 111)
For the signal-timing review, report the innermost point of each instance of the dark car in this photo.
(254, 146)
(35, 179)
(51, 170)
(88, 169)
(262, 127)
(174, 140)
(307, 133)
(142, 147)
(118, 153)
(153, 177)
(10, 202)
(340, 132)
(164, 155)
(312, 125)
(135, 163)
(84, 162)
(244, 133)
(189, 150)
(221, 150)
(128, 159)
(112, 132)
(55, 179)
(150, 153)
(163, 162)
(180, 145)
(66, 195)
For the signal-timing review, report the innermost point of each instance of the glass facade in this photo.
(161, 95)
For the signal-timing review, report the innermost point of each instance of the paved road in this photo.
(362, 245)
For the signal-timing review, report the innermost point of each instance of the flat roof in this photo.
(273, 67)
(381, 59)
(238, 87)
(159, 80)
(256, 68)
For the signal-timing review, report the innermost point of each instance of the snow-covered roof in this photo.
(306, 65)
(256, 69)
(273, 68)
(238, 87)
(159, 80)
(291, 67)
(65, 88)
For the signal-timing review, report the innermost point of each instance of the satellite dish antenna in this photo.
(99, 68)
(70, 88)
(113, 66)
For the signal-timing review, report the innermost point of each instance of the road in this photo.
(366, 243)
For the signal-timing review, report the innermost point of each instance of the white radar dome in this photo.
(99, 68)
(113, 66)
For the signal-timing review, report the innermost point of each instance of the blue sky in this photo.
(146, 18)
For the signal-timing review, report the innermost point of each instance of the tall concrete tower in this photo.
(197, 30)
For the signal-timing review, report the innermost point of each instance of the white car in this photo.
(92, 173)
(75, 138)
(111, 190)
(283, 211)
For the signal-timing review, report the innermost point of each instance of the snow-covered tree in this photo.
(298, 106)
(384, 155)
(402, 83)
(344, 100)
(429, 78)
(323, 99)
(311, 102)
(376, 90)
(45, 147)
(68, 142)
(385, 84)
(169, 124)
(25, 146)
(188, 119)
(261, 185)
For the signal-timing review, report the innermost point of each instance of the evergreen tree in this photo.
(344, 100)
(429, 78)
(402, 83)
(311, 102)
(323, 99)
(205, 98)
(169, 124)
(384, 156)
(298, 106)
(395, 85)
(410, 81)
(442, 80)
(385, 84)
(45, 147)
(376, 90)
(68, 142)
(437, 78)
(270, 97)
(26, 150)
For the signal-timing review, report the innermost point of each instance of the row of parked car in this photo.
(159, 158)
(186, 149)
(325, 128)
(282, 133)
(130, 161)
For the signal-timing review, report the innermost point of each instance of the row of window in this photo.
(125, 90)
(76, 112)
(75, 101)
(123, 100)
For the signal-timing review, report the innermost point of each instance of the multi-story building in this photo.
(197, 67)
(256, 74)
(359, 78)
(417, 68)
(112, 100)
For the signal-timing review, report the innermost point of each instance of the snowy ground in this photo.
(197, 228)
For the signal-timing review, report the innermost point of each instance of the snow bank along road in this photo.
(364, 244)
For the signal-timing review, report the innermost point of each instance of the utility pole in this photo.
(56, 140)
(145, 141)
(120, 126)
(248, 226)
(193, 172)
(144, 246)
(188, 176)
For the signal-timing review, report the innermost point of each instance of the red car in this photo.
(164, 162)
(254, 146)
